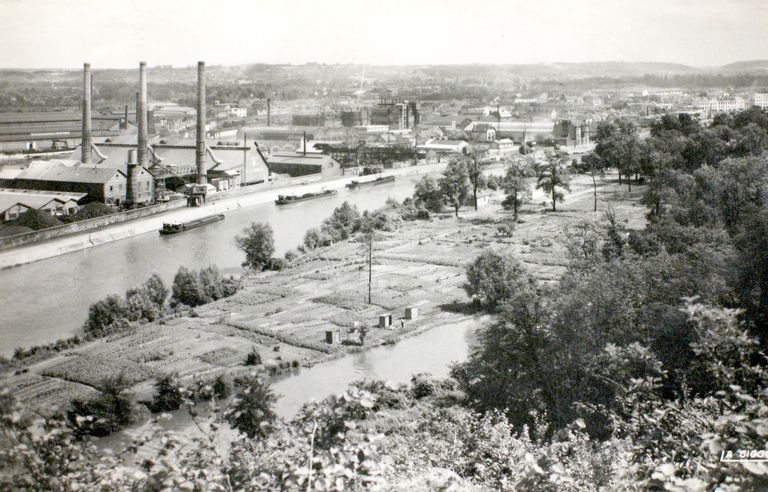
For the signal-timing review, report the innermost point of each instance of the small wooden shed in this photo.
(385, 320)
(332, 336)
(411, 312)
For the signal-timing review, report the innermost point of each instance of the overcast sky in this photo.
(110, 33)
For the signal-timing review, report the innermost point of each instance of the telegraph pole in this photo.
(370, 263)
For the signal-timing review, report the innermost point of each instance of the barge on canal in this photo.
(380, 180)
(286, 199)
(176, 227)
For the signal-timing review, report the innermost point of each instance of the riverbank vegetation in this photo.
(634, 363)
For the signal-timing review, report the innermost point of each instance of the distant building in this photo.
(517, 130)
(228, 165)
(396, 115)
(300, 164)
(721, 105)
(760, 99)
(444, 147)
(100, 183)
(308, 119)
(351, 119)
(13, 202)
(482, 132)
(55, 129)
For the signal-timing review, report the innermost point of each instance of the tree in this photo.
(516, 186)
(551, 178)
(474, 164)
(426, 194)
(494, 276)
(342, 223)
(187, 289)
(595, 166)
(454, 184)
(314, 238)
(258, 244)
(618, 146)
(252, 409)
(103, 315)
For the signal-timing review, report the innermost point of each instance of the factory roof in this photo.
(300, 158)
(61, 172)
(33, 198)
(447, 145)
(531, 126)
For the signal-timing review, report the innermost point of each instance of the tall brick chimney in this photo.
(141, 116)
(85, 145)
(200, 149)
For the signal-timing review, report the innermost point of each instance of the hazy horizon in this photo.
(46, 34)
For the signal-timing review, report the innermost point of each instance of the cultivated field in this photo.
(284, 315)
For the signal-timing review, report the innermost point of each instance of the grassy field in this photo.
(284, 315)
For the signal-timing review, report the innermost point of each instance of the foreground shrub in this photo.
(252, 410)
(168, 395)
(109, 412)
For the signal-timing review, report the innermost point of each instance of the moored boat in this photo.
(380, 180)
(285, 199)
(175, 227)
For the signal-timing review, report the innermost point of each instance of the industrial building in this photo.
(55, 130)
(100, 183)
(13, 203)
(301, 164)
(396, 115)
(516, 130)
(350, 119)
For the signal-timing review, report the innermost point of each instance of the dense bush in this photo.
(93, 210)
(109, 412)
(105, 316)
(253, 358)
(427, 195)
(37, 219)
(494, 277)
(168, 394)
(196, 288)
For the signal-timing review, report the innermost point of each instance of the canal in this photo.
(47, 300)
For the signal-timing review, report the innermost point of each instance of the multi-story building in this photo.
(396, 115)
(722, 105)
(760, 99)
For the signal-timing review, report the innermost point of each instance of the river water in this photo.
(43, 301)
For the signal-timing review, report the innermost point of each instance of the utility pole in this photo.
(370, 263)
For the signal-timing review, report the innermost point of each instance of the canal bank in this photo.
(46, 300)
(260, 194)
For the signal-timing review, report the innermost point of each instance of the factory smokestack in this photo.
(269, 111)
(125, 119)
(200, 150)
(132, 185)
(138, 159)
(142, 116)
(85, 146)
